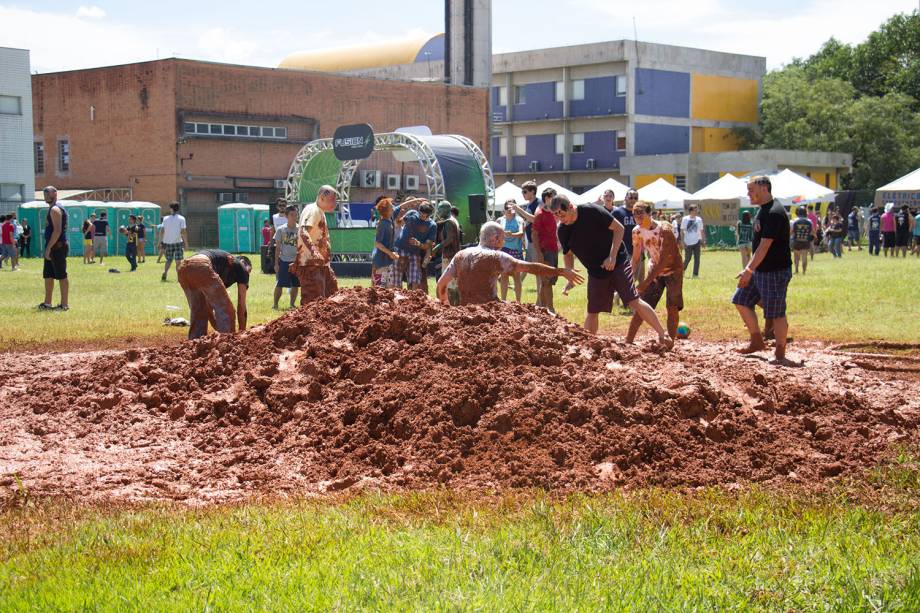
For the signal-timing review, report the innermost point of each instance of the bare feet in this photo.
(666, 341)
(753, 347)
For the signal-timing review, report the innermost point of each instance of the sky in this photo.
(65, 35)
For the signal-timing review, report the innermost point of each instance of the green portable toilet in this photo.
(234, 227)
(97, 207)
(76, 215)
(260, 214)
(123, 210)
(151, 213)
(35, 213)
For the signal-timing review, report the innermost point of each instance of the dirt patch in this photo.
(392, 390)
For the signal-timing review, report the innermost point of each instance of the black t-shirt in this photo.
(801, 230)
(902, 223)
(131, 232)
(590, 239)
(227, 267)
(532, 209)
(772, 222)
(102, 227)
(875, 222)
(87, 229)
(625, 217)
(141, 231)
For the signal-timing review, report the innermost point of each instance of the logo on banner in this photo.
(353, 142)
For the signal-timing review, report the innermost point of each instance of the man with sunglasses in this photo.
(595, 237)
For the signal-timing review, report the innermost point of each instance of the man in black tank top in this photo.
(55, 252)
(204, 278)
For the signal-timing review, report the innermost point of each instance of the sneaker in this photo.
(44, 306)
(61, 307)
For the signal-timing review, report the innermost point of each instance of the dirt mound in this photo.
(390, 389)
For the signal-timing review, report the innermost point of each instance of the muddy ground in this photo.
(394, 391)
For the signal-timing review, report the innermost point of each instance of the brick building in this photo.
(204, 133)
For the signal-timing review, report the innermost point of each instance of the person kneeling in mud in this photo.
(204, 278)
(477, 269)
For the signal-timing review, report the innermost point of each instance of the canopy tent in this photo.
(504, 192)
(793, 189)
(905, 190)
(596, 193)
(664, 195)
(560, 191)
(728, 187)
(908, 183)
(720, 205)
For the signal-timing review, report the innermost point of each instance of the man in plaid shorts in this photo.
(416, 238)
(173, 236)
(766, 277)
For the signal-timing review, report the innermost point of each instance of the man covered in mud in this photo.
(477, 269)
(204, 278)
(312, 266)
(656, 239)
(593, 235)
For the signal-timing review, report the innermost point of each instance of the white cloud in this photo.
(90, 12)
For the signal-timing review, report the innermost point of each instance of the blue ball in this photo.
(683, 330)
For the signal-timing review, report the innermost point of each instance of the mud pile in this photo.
(392, 390)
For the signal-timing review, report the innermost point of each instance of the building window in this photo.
(560, 144)
(64, 156)
(503, 147)
(11, 192)
(10, 105)
(578, 89)
(578, 143)
(621, 142)
(680, 181)
(280, 132)
(217, 128)
(560, 91)
(39, 158)
(519, 96)
(520, 145)
(188, 128)
(223, 129)
(620, 85)
(230, 130)
(502, 96)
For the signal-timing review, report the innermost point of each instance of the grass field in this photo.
(850, 299)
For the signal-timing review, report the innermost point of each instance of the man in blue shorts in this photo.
(766, 278)
(285, 254)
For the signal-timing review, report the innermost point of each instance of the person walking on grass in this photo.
(667, 272)
(7, 249)
(875, 231)
(101, 236)
(476, 269)
(803, 237)
(25, 245)
(816, 224)
(55, 254)
(595, 237)
(174, 237)
(204, 278)
(131, 232)
(141, 240)
(694, 238)
(835, 234)
(88, 231)
(853, 233)
(744, 230)
(765, 280)
(17, 235)
(904, 227)
(889, 236)
(285, 254)
(514, 246)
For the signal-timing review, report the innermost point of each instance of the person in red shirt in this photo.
(544, 236)
(7, 244)
(267, 232)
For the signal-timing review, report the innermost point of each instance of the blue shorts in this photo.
(411, 264)
(283, 276)
(853, 235)
(768, 289)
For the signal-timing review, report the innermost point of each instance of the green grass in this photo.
(853, 299)
(441, 551)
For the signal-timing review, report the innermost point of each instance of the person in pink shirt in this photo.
(813, 218)
(888, 230)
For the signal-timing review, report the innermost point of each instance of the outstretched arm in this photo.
(445, 279)
(543, 270)
(523, 213)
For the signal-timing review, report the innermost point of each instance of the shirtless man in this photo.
(667, 272)
(477, 269)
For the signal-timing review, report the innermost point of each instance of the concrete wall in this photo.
(17, 179)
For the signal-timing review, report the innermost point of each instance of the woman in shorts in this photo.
(744, 234)
(514, 246)
(88, 232)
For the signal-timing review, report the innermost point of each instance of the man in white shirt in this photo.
(279, 219)
(173, 236)
(694, 238)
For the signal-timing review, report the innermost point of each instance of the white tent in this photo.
(905, 190)
(596, 193)
(728, 187)
(664, 195)
(504, 192)
(793, 189)
(560, 191)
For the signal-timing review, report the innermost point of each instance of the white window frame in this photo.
(578, 89)
(502, 96)
(503, 146)
(520, 146)
(272, 132)
(519, 96)
(616, 140)
(10, 105)
(560, 91)
(63, 157)
(578, 142)
(6, 192)
(620, 86)
(38, 152)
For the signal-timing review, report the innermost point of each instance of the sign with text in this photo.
(353, 142)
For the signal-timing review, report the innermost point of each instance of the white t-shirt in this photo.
(279, 220)
(692, 229)
(172, 228)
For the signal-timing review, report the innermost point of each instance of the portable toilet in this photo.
(34, 213)
(97, 207)
(150, 213)
(260, 214)
(76, 215)
(122, 211)
(234, 227)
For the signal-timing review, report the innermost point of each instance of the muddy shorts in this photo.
(173, 251)
(551, 258)
(411, 265)
(673, 283)
(208, 300)
(316, 281)
(601, 290)
(56, 267)
(767, 289)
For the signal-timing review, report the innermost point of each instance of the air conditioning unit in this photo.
(226, 197)
(410, 182)
(370, 178)
(280, 183)
(393, 181)
(534, 165)
(591, 164)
